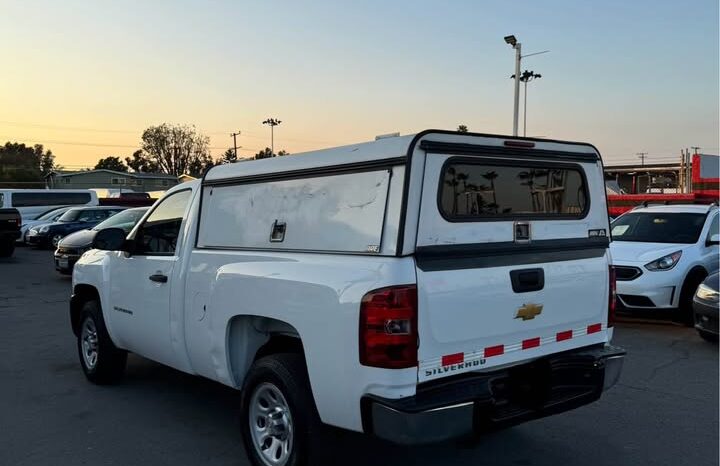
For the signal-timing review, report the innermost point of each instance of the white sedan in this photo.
(661, 254)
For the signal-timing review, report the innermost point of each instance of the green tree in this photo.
(267, 153)
(228, 156)
(111, 163)
(462, 129)
(25, 165)
(282, 153)
(176, 149)
(140, 162)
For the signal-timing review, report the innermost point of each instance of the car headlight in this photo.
(706, 293)
(665, 262)
(44, 229)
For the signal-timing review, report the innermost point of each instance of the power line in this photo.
(88, 144)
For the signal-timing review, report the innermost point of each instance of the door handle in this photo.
(527, 280)
(158, 277)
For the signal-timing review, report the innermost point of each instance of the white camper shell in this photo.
(438, 270)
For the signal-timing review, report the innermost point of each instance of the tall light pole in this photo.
(526, 77)
(512, 40)
(272, 122)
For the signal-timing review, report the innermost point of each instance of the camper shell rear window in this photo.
(475, 190)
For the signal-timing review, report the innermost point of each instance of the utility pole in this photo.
(272, 122)
(642, 158)
(234, 136)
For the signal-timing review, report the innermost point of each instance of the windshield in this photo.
(658, 227)
(125, 220)
(70, 216)
(51, 214)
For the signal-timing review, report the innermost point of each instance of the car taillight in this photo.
(388, 327)
(611, 298)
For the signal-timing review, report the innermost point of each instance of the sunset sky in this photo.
(85, 78)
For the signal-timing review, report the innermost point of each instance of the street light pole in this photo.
(272, 122)
(516, 108)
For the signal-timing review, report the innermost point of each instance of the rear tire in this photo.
(685, 305)
(707, 336)
(279, 420)
(101, 361)
(7, 248)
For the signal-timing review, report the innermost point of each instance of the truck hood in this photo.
(636, 251)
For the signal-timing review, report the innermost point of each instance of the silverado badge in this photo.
(528, 311)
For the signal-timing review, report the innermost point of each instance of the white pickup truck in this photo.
(415, 288)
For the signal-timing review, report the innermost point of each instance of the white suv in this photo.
(662, 253)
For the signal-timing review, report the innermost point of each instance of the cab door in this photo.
(142, 283)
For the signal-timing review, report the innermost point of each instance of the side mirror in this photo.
(110, 239)
(714, 239)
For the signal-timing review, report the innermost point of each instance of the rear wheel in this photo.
(101, 361)
(685, 306)
(278, 414)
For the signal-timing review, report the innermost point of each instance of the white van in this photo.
(33, 202)
(415, 288)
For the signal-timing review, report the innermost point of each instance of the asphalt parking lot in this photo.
(663, 412)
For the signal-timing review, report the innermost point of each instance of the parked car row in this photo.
(666, 258)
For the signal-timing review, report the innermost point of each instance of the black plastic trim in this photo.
(513, 216)
(476, 256)
(455, 148)
(521, 284)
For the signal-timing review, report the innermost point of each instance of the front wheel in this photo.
(707, 336)
(101, 361)
(687, 292)
(7, 248)
(278, 414)
(55, 240)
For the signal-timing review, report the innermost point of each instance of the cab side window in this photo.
(160, 232)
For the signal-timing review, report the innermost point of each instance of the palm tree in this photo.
(491, 176)
(528, 179)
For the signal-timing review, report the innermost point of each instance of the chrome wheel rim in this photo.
(271, 425)
(56, 240)
(89, 343)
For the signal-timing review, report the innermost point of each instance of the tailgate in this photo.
(512, 260)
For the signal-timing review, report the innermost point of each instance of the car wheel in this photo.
(707, 336)
(101, 361)
(7, 248)
(685, 306)
(279, 420)
(55, 240)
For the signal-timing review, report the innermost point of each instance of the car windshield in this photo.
(660, 227)
(50, 215)
(70, 216)
(125, 220)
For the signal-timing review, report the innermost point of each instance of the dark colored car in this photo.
(80, 218)
(707, 306)
(9, 231)
(74, 245)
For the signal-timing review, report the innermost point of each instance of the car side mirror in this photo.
(714, 239)
(110, 239)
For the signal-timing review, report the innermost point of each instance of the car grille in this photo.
(625, 273)
(69, 251)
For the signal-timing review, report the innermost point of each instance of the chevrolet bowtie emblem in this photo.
(528, 311)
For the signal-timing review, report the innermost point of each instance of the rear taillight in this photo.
(388, 327)
(611, 298)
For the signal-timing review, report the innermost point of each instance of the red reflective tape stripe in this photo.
(594, 328)
(451, 359)
(494, 350)
(531, 343)
(562, 336)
